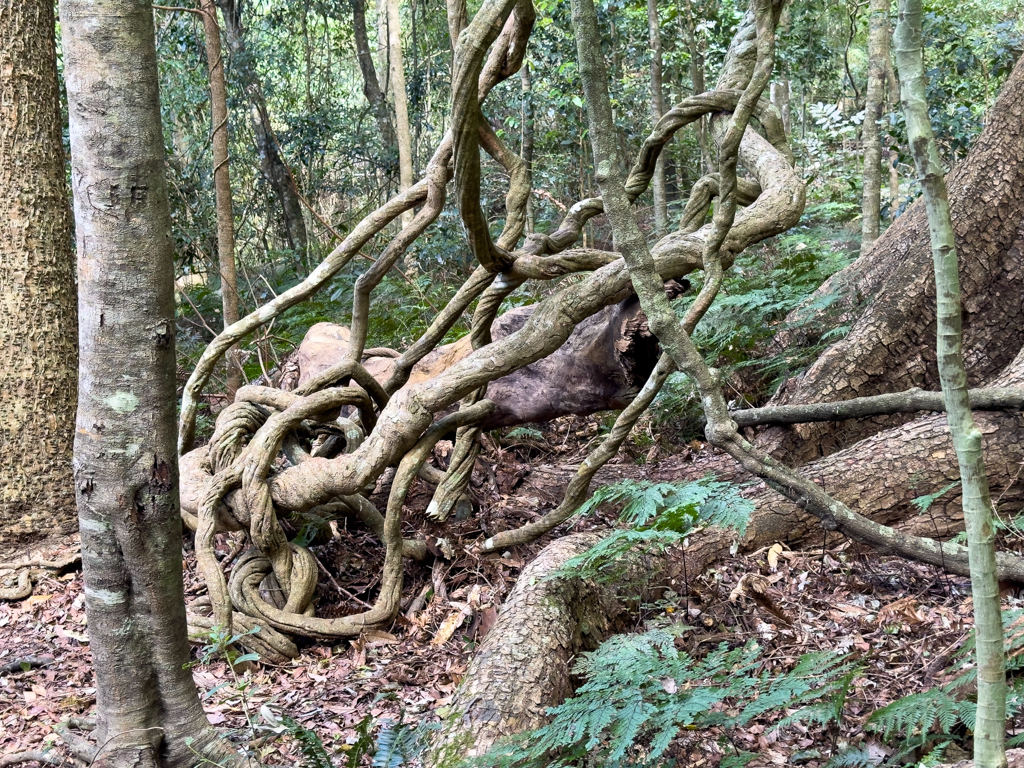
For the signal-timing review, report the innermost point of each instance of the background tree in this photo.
(397, 70)
(222, 186)
(38, 351)
(878, 59)
(657, 108)
(274, 169)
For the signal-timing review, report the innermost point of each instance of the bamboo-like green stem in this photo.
(990, 729)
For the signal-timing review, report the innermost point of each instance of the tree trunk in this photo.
(878, 55)
(657, 110)
(990, 726)
(526, 149)
(523, 665)
(697, 82)
(405, 170)
(780, 98)
(371, 86)
(891, 344)
(38, 351)
(222, 187)
(274, 170)
(126, 479)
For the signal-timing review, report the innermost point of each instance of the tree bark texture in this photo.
(126, 476)
(272, 165)
(222, 186)
(38, 349)
(878, 55)
(371, 86)
(891, 346)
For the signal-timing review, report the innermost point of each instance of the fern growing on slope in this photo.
(641, 692)
(659, 514)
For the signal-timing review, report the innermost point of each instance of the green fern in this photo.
(659, 514)
(924, 502)
(388, 754)
(853, 758)
(314, 753)
(641, 692)
(398, 744)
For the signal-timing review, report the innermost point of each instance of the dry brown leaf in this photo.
(379, 637)
(448, 627)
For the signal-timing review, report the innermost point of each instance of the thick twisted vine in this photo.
(231, 482)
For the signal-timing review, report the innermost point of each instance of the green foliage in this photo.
(923, 503)
(389, 752)
(363, 745)
(641, 692)
(658, 515)
(761, 289)
(314, 753)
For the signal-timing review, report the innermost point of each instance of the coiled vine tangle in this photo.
(322, 447)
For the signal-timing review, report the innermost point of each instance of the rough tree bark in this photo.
(891, 293)
(126, 478)
(38, 350)
(878, 56)
(222, 187)
(274, 169)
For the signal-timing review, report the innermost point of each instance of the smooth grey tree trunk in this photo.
(878, 57)
(37, 299)
(990, 728)
(657, 110)
(126, 475)
(222, 187)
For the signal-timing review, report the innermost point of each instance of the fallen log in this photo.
(601, 366)
(523, 665)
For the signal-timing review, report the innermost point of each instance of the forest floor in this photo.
(903, 619)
